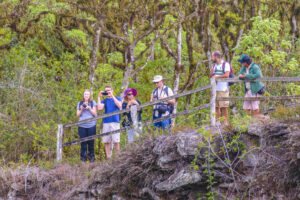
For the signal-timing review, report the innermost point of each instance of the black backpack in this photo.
(166, 88)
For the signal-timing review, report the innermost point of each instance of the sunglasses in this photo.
(156, 82)
(129, 94)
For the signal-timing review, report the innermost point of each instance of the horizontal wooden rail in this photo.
(140, 106)
(144, 124)
(212, 112)
(257, 98)
(268, 79)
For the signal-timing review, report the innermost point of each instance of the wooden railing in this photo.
(133, 109)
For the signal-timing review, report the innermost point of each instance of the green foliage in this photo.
(266, 47)
(287, 114)
(77, 36)
(240, 123)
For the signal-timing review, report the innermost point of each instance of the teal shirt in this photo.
(254, 72)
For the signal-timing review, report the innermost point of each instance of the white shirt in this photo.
(163, 94)
(218, 71)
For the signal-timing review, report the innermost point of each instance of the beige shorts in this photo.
(114, 138)
(222, 104)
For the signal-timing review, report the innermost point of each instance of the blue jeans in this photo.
(166, 124)
(87, 150)
(130, 135)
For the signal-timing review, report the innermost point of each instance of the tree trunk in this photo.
(192, 67)
(295, 30)
(93, 63)
(208, 40)
(129, 68)
(178, 67)
(241, 31)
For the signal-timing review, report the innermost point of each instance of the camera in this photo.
(84, 105)
(104, 93)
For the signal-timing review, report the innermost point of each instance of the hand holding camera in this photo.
(85, 106)
(100, 95)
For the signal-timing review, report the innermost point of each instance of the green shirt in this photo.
(254, 72)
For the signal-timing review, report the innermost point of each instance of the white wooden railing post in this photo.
(59, 142)
(134, 117)
(213, 102)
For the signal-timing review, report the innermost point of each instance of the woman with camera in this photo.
(129, 100)
(86, 109)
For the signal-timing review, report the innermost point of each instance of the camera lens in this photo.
(84, 105)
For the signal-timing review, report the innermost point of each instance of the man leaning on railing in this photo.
(251, 71)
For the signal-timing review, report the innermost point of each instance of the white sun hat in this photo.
(158, 78)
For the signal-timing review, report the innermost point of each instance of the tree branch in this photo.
(166, 46)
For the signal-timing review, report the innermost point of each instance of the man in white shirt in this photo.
(220, 69)
(162, 109)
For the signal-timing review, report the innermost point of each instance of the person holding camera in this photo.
(86, 109)
(165, 108)
(129, 100)
(112, 123)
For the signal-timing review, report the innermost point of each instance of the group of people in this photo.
(87, 108)
(249, 71)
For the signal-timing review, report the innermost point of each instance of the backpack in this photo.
(170, 106)
(81, 102)
(231, 73)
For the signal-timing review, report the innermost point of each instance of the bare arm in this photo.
(225, 75)
(79, 112)
(172, 101)
(117, 102)
(100, 105)
(93, 110)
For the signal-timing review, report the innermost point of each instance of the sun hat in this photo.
(134, 91)
(244, 59)
(158, 78)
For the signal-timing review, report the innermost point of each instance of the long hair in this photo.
(90, 99)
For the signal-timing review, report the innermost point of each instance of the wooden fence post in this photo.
(59, 142)
(134, 117)
(213, 102)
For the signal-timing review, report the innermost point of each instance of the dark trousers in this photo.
(87, 146)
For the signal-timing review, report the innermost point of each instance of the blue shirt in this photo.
(110, 106)
(86, 114)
